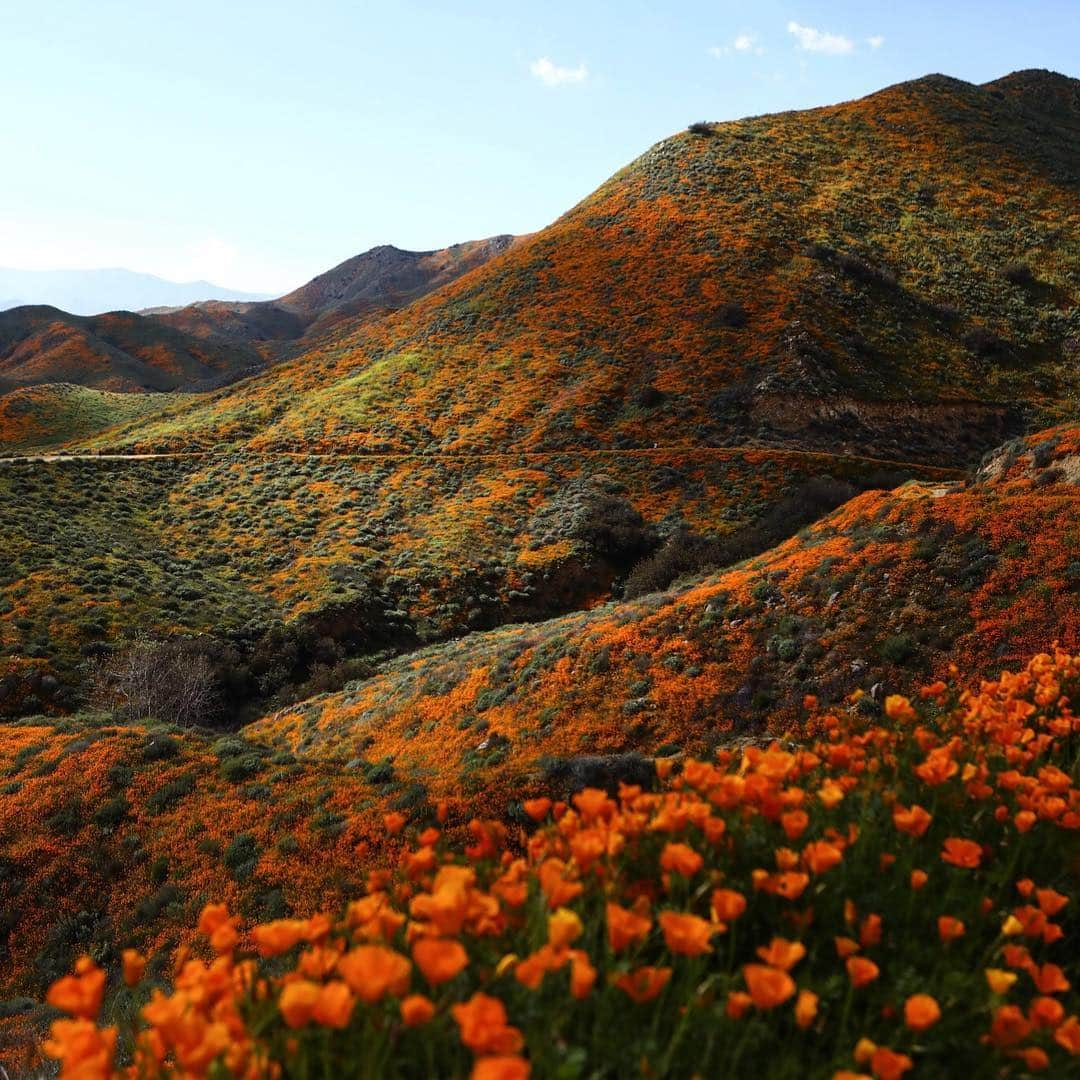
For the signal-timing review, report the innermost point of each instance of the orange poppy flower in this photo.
(831, 794)
(680, 859)
(85, 1050)
(592, 803)
(373, 971)
(416, 1010)
(1000, 982)
(1046, 1012)
(686, 934)
(870, 931)
(1067, 1035)
(644, 983)
(530, 972)
(790, 885)
(440, 959)
(134, 966)
(937, 768)
(794, 823)
(582, 974)
(448, 902)
(861, 971)
(564, 928)
(919, 878)
(1009, 1026)
(211, 917)
(728, 904)
(899, 708)
(864, 1051)
(782, 954)
(738, 1004)
(821, 856)
(1050, 901)
(80, 994)
(949, 928)
(279, 936)
(913, 820)
(806, 1008)
(625, 927)
(297, 1001)
(537, 809)
(886, 1064)
(503, 1067)
(846, 946)
(334, 1005)
(963, 853)
(1050, 979)
(768, 986)
(483, 1028)
(921, 1011)
(555, 884)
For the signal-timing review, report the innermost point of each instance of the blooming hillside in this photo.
(890, 587)
(118, 351)
(895, 276)
(865, 899)
(338, 554)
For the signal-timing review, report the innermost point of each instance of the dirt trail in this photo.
(528, 455)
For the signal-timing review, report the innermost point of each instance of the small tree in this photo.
(161, 680)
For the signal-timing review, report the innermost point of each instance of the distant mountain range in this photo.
(91, 292)
(200, 345)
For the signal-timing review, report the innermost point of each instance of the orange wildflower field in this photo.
(856, 900)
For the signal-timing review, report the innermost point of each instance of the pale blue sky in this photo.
(256, 144)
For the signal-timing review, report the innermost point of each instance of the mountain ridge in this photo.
(198, 346)
(851, 221)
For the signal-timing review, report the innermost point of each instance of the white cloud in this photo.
(743, 43)
(552, 75)
(876, 41)
(819, 41)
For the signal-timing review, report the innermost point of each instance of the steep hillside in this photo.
(382, 279)
(896, 276)
(298, 562)
(792, 910)
(116, 834)
(1045, 457)
(119, 351)
(133, 827)
(888, 590)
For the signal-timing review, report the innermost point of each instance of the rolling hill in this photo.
(746, 308)
(116, 833)
(890, 588)
(120, 351)
(895, 276)
(207, 344)
(379, 280)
